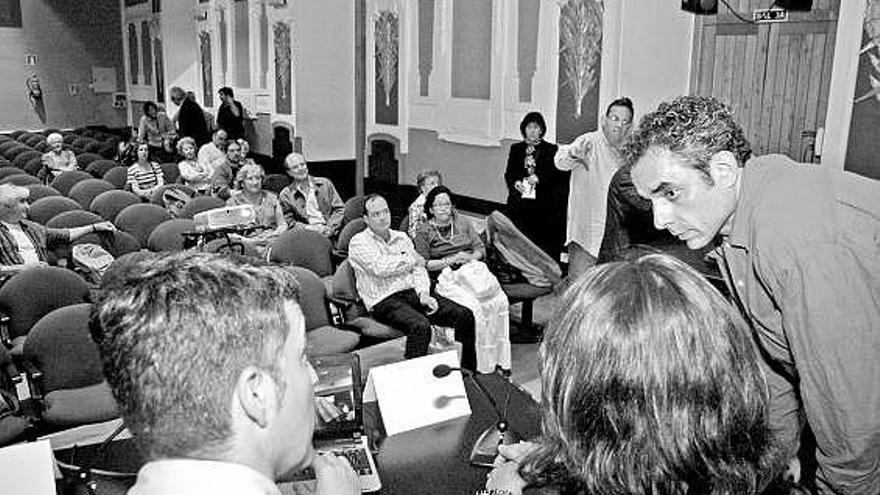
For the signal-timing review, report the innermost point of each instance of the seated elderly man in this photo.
(394, 285)
(23, 242)
(214, 153)
(211, 376)
(310, 202)
(57, 159)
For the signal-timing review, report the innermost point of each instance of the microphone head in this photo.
(442, 370)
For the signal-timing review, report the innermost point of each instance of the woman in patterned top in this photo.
(144, 177)
(269, 215)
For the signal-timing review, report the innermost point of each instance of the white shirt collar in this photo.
(196, 477)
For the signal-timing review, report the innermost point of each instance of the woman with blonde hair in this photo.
(269, 215)
(650, 384)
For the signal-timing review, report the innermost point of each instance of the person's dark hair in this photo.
(148, 105)
(535, 117)
(650, 384)
(621, 102)
(226, 91)
(432, 195)
(176, 331)
(693, 127)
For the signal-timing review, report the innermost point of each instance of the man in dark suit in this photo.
(190, 118)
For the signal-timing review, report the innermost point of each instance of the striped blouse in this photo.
(144, 179)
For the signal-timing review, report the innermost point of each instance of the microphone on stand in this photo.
(485, 450)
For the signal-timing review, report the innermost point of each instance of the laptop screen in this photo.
(338, 403)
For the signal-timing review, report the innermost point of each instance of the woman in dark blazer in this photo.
(537, 196)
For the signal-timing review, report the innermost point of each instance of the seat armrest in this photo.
(35, 378)
(341, 301)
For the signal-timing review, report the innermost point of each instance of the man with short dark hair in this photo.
(190, 117)
(592, 159)
(206, 358)
(394, 285)
(800, 254)
(230, 115)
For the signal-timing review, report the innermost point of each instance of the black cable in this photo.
(736, 14)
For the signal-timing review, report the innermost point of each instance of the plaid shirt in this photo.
(39, 235)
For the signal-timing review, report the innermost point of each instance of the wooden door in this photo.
(775, 76)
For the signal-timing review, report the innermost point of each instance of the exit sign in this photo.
(770, 15)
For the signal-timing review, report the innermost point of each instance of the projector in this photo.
(228, 216)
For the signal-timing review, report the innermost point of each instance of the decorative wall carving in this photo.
(207, 79)
(133, 59)
(580, 43)
(283, 93)
(387, 37)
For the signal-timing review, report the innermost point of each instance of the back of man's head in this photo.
(176, 331)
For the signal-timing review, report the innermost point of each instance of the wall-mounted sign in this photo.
(30, 59)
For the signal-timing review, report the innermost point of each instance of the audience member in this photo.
(452, 248)
(592, 159)
(800, 253)
(169, 149)
(650, 384)
(230, 115)
(537, 192)
(249, 191)
(24, 243)
(446, 239)
(190, 117)
(394, 285)
(193, 173)
(153, 128)
(223, 178)
(212, 154)
(126, 151)
(310, 202)
(145, 176)
(57, 159)
(206, 357)
(426, 180)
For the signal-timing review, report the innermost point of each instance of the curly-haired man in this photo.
(799, 250)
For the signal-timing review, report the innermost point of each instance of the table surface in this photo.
(433, 458)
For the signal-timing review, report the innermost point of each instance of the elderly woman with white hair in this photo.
(24, 243)
(269, 215)
(57, 159)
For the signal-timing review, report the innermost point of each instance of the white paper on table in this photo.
(27, 469)
(410, 396)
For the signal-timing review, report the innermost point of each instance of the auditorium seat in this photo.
(42, 210)
(108, 204)
(23, 158)
(14, 152)
(170, 172)
(85, 191)
(31, 294)
(322, 337)
(354, 208)
(71, 387)
(303, 248)
(66, 180)
(40, 191)
(118, 176)
(7, 171)
(352, 228)
(100, 167)
(158, 195)
(34, 166)
(73, 218)
(139, 220)
(8, 146)
(276, 182)
(22, 179)
(83, 160)
(167, 236)
(116, 243)
(343, 293)
(200, 204)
